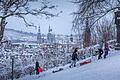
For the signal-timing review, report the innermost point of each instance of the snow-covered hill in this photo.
(104, 69)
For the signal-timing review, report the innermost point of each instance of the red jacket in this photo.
(40, 70)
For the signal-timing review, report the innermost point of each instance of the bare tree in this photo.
(20, 9)
(105, 30)
(96, 9)
(76, 27)
(87, 35)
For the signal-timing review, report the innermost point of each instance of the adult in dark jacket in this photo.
(36, 67)
(100, 50)
(106, 49)
(74, 57)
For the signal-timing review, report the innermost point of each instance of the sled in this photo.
(60, 69)
(86, 61)
(40, 70)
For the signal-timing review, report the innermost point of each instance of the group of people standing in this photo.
(101, 50)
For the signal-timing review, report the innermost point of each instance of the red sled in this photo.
(40, 70)
(85, 62)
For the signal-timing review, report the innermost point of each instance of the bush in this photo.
(29, 70)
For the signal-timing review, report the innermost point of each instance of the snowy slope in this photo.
(104, 69)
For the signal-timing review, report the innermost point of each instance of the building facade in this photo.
(50, 36)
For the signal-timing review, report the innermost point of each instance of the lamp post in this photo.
(117, 22)
(67, 44)
(12, 57)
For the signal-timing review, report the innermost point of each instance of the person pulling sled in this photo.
(74, 58)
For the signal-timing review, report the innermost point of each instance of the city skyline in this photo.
(59, 25)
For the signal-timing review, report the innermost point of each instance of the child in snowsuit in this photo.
(74, 58)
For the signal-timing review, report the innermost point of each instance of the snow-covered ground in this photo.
(104, 69)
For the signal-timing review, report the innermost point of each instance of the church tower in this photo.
(50, 36)
(39, 39)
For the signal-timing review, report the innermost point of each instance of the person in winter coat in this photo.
(100, 53)
(37, 67)
(74, 57)
(106, 49)
(100, 50)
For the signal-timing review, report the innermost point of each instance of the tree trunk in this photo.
(2, 27)
(118, 34)
(117, 46)
(87, 37)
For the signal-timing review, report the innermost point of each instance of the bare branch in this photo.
(96, 9)
(118, 1)
(21, 8)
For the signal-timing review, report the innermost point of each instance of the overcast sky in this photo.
(59, 25)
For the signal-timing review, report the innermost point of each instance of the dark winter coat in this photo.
(100, 51)
(106, 48)
(36, 67)
(75, 56)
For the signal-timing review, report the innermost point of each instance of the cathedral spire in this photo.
(39, 29)
(39, 35)
(49, 30)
